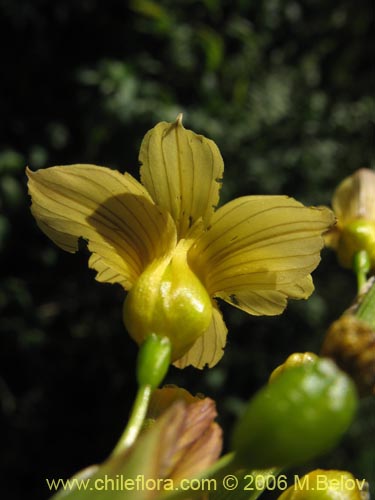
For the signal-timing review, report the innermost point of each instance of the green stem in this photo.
(361, 266)
(152, 365)
(136, 420)
(366, 309)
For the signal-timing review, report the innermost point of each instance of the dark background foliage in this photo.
(283, 87)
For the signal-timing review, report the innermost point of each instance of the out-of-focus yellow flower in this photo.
(164, 241)
(327, 485)
(354, 205)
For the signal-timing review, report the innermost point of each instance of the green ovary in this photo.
(169, 300)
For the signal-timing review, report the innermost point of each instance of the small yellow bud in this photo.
(295, 359)
(326, 485)
(168, 300)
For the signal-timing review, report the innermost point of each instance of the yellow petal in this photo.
(269, 302)
(332, 237)
(355, 197)
(261, 250)
(209, 348)
(182, 171)
(113, 212)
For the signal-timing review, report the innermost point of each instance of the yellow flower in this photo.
(164, 241)
(354, 205)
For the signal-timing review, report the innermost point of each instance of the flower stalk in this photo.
(361, 267)
(136, 420)
(152, 365)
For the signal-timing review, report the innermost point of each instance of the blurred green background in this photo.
(286, 91)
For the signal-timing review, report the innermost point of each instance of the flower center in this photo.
(169, 300)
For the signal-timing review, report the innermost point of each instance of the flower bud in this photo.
(300, 415)
(168, 300)
(357, 236)
(326, 485)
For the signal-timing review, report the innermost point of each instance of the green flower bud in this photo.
(168, 300)
(326, 485)
(300, 415)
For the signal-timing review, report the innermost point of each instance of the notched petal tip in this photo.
(179, 169)
(31, 178)
(179, 119)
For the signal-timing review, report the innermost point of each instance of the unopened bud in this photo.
(300, 415)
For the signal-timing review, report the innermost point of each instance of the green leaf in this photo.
(366, 309)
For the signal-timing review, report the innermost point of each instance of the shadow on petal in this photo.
(133, 232)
